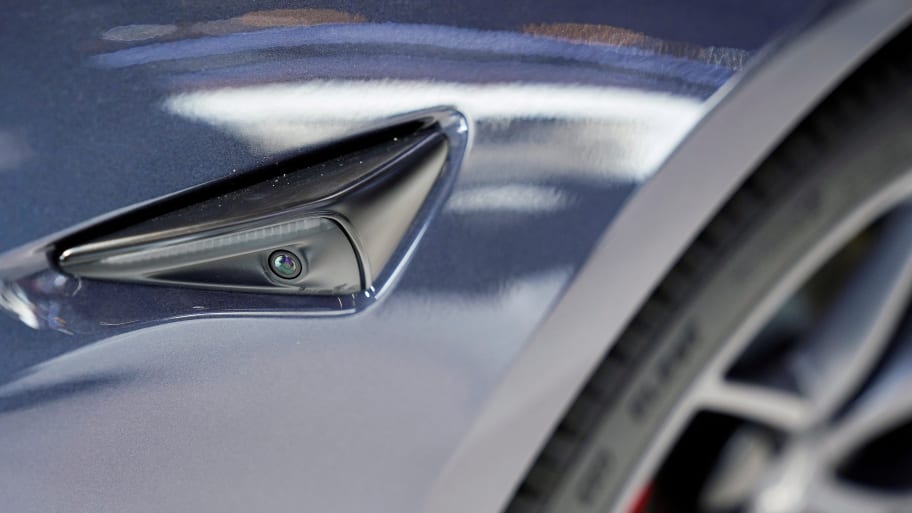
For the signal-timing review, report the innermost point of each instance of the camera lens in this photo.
(285, 264)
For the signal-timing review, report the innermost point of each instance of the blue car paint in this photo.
(83, 132)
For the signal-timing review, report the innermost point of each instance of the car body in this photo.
(594, 142)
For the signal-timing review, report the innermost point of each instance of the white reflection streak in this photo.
(15, 300)
(526, 199)
(281, 117)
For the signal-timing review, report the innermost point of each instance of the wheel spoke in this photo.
(885, 403)
(742, 465)
(839, 354)
(795, 487)
(759, 404)
(785, 488)
(827, 495)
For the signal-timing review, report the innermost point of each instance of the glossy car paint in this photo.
(216, 407)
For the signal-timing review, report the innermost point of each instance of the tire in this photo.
(855, 146)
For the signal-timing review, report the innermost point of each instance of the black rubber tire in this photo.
(855, 144)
